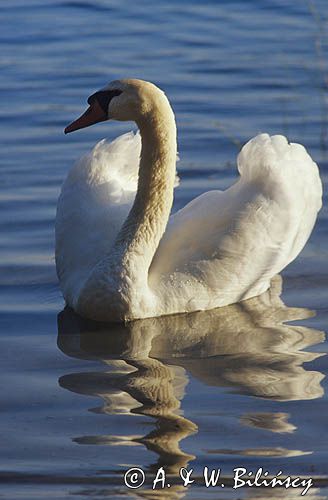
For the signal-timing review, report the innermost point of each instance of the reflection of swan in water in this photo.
(151, 389)
(274, 422)
(244, 346)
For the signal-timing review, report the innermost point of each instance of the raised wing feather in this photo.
(224, 247)
(95, 200)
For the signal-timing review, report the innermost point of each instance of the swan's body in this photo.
(119, 254)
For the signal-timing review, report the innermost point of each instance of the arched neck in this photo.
(140, 234)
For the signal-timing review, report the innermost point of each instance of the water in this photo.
(224, 389)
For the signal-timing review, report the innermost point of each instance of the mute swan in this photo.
(119, 254)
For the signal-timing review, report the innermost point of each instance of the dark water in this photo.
(222, 389)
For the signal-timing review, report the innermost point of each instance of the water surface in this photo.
(244, 385)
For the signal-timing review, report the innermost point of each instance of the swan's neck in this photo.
(139, 237)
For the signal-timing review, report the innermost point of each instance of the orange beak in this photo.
(94, 114)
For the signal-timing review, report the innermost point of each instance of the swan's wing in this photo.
(94, 201)
(226, 246)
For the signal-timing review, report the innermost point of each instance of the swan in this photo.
(120, 256)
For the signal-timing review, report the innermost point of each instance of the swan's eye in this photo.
(104, 97)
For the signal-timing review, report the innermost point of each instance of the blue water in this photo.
(219, 389)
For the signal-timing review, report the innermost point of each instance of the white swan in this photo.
(119, 254)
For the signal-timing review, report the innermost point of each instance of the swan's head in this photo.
(121, 100)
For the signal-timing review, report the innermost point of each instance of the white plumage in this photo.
(221, 248)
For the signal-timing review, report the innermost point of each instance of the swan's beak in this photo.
(92, 115)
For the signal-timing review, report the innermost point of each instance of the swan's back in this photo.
(224, 247)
